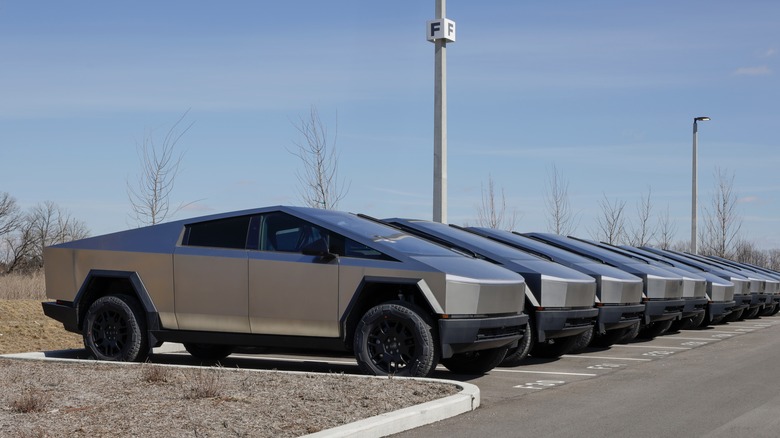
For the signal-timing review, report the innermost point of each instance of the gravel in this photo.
(52, 399)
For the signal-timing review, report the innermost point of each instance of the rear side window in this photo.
(223, 233)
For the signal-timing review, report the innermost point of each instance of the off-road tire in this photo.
(583, 340)
(733, 316)
(751, 313)
(515, 356)
(115, 329)
(610, 337)
(689, 323)
(209, 352)
(475, 362)
(396, 338)
(654, 329)
(698, 321)
(553, 348)
(631, 333)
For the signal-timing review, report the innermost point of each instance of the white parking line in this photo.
(723, 331)
(573, 356)
(654, 347)
(695, 339)
(542, 372)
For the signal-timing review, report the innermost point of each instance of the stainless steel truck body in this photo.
(559, 300)
(719, 293)
(663, 290)
(618, 293)
(286, 277)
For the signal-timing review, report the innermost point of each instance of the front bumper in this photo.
(759, 299)
(663, 310)
(561, 323)
(613, 317)
(694, 307)
(64, 312)
(720, 308)
(460, 335)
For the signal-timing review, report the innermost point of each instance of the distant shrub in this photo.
(27, 286)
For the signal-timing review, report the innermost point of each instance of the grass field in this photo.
(23, 326)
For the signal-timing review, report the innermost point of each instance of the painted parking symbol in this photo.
(694, 343)
(658, 353)
(540, 384)
(606, 366)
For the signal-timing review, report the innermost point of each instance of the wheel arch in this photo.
(100, 283)
(373, 291)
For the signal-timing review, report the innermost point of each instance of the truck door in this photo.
(291, 293)
(210, 277)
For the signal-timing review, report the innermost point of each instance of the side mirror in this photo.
(319, 248)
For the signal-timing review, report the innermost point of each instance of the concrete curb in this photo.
(409, 418)
(385, 424)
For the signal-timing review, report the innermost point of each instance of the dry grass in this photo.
(108, 399)
(31, 400)
(23, 286)
(155, 374)
(202, 383)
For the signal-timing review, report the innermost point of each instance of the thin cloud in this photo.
(770, 53)
(753, 71)
(748, 200)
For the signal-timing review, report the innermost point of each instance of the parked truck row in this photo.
(401, 295)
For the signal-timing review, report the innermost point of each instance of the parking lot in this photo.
(716, 381)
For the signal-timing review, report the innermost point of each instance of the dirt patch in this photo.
(51, 399)
(24, 327)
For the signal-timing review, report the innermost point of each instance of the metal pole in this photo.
(694, 206)
(694, 197)
(440, 125)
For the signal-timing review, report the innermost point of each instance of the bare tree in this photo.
(681, 246)
(44, 225)
(9, 214)
(666, 230)
(319, 185)
(560, 218)
(773, 259)
(722, 224)
(150, 194)
(492, 213)
(642, 232)
(748, 252)
(610, 226)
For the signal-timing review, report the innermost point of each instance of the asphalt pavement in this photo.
(722, 381)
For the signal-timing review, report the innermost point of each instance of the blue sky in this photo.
(604, 90)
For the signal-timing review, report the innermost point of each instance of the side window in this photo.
(223, 233)
(282, 232)
(286, 233)
(358, 250)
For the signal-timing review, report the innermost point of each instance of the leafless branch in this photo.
(150, 195)
(319, 184)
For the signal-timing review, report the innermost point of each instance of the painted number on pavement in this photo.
(606, 366)
(658, 353)
(540, 384)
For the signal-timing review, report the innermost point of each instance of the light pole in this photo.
(694, 200)
(440, 31)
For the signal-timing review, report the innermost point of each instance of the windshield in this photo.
(472, 241)
(383, 236)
